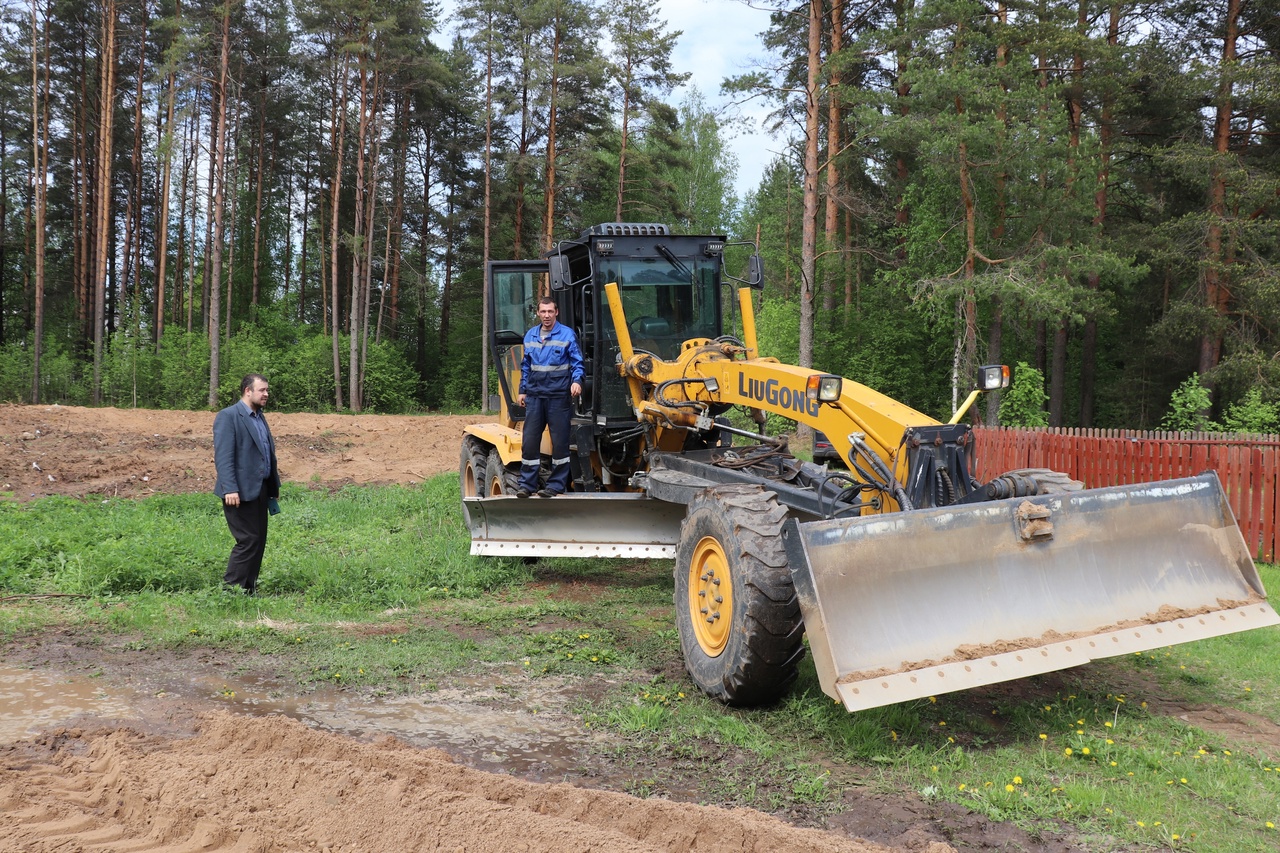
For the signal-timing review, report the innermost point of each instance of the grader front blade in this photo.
(913, 604)
(605, 524)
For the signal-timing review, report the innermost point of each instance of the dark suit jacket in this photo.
(237, 455)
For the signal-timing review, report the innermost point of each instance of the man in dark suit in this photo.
(244, 455)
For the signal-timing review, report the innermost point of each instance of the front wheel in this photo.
(739, 620)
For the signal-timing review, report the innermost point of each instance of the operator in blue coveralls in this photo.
(550, 379)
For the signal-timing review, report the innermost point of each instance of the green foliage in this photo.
(1189, 407)
(1022, 405)
(1252, 415)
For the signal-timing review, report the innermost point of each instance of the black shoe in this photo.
(547, 493)
(522, 493)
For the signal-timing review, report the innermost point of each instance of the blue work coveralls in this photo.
(550, 365)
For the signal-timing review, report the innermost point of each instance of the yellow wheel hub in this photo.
(710, 596)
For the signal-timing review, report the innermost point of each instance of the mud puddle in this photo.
(475, 719)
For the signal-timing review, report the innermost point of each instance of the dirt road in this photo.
(175, 771)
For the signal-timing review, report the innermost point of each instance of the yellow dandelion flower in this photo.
(1043, 736)
(1175, 836)
(951, 740)
(1270, 825)
(935, 768)
(1110, 742)
(1141, 824)
(1079, 722)
(961, 786)
(942, 722)
(1113, 764)
(1067, 751)
(1009, 788)
(1048, 707)
(1107, 724)
(1085, 751)
(1183, 780)
(933, 699)
(1079, 731)
(1017, 780)
(680, 694)
(1226, 752)
(893, 735)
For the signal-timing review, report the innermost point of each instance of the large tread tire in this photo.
(472, 462)
(499, 480)
(1050, 482)
(731, 539)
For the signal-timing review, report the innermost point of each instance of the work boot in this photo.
(547, 493)
(522, 493)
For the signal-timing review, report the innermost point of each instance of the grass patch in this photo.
(373, 588)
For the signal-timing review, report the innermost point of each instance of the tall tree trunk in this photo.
(549, 216)
(1106, 133)
(261, 167)
(106, 118)
(339, 132)
(218, 179)
(1217, 278)
(166, 177)
(830, 221)
(809, 225)
(40, 171)
(488, 213)
(358, 240)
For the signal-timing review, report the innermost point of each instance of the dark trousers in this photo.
(541, 413)
(248, 524)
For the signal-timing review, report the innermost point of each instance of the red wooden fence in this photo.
(1247, 466)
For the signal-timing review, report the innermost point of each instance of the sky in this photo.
(719, 39)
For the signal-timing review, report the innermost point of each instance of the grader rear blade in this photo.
(621, 524)
(909, 605)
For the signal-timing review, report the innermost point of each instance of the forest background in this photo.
(309, 188)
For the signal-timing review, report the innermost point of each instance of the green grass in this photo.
(373, 588)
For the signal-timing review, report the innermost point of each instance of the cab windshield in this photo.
(666, 303)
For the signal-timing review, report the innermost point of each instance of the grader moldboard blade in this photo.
(913, 604)
(621, 524)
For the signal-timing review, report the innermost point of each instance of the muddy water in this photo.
(472, 719)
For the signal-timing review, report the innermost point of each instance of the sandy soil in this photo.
(182, 773)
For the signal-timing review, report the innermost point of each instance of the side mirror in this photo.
(558, 270)
(755, 272)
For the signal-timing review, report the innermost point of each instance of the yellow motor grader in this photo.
(909, 577)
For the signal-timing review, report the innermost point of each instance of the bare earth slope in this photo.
(71, 450)
(271, 784)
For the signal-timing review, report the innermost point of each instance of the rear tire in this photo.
(739, 620)
(497, 479)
